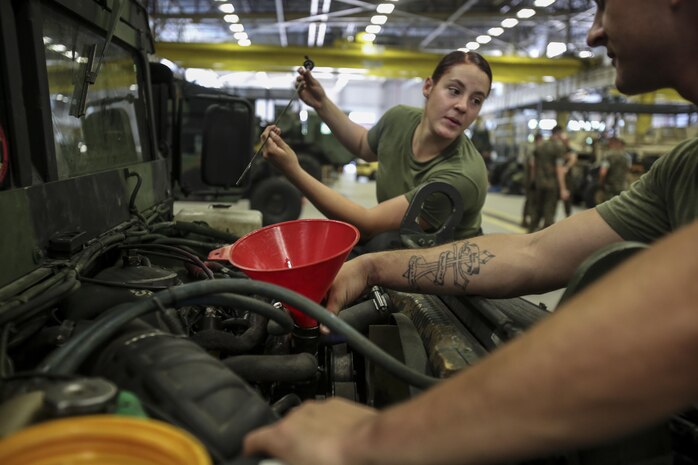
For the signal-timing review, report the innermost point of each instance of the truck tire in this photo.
(277, 199)
(311, 165)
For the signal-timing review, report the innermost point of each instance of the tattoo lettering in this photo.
(464, 259)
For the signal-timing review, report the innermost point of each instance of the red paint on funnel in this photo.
(301, 255)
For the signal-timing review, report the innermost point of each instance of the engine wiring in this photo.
(69, 357)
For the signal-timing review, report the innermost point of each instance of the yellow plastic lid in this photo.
(103, 440)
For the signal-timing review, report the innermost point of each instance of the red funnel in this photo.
(301, 255)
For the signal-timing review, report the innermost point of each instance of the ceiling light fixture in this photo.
(525, 13)
(311, 34)
(231, 18)
(368, 37)
(240, 35)
(472, 45)
(227, 8)
(510, 22)
(373, 29)
(379, 19)
(495, 31)
(237, 27)
(483, 39)
(321, 35)
(244, 42)
(555, 48)
(543, 3)
(586, 54)
(385, 8)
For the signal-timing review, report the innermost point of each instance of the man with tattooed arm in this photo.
(546, 391)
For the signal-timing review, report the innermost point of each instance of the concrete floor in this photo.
(501, 214)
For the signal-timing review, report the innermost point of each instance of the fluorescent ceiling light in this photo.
(483, 39)
(586, 54)
(240, 35)
(231, 18)
(227, 8)
(311, 34)
(543, 3)
(244, 42)
(555, 48)
(368, 37)
(373, 29)
(510, 22)
(321, 35)
(472, 45)
(495, 31)
(525, 13)
(379, 19)
(385, 8)
(237, 27)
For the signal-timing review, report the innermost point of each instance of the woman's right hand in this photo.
(277, 151)
(310, 91)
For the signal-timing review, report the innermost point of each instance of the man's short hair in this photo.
(557, 129)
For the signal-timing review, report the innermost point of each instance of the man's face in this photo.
(634, 33)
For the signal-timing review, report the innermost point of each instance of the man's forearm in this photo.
(495, 265)
(606, 364)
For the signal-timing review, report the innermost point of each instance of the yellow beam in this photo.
(375, 60)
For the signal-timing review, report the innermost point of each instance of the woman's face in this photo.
(455, 100)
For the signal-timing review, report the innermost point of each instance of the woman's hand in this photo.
(277, 151)
(310, 91)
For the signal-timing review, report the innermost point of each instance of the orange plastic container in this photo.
(301, 255)
(103, 440)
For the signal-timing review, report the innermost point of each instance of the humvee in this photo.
(109, 305)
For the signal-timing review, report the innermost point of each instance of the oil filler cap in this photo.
(80, 397)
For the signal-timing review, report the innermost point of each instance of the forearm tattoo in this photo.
(463, 260)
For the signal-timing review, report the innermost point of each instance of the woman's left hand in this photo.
(277, 151)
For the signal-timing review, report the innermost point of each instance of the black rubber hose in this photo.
(286, 403)
(363, 314)
(196, 229)
(25, 282)
(173, 249)
(43, 301)
(292, 368)
(233, 344)
(67, 358)
(284, 322)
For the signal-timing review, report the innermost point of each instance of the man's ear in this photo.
(427, 86)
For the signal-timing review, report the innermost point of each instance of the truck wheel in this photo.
(310, 165)
(277, 199)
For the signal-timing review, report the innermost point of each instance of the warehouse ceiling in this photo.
(201, 33)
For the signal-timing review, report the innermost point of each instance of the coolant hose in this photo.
(70, 356)
(292, 368)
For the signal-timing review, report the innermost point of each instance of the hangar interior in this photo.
(155, 267)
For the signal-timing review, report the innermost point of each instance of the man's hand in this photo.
(310, 90)
(564, 194)
(277, 151)
(315, 433)
(351, 281)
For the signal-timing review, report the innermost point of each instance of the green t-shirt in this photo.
(460, 165)
(618, 164)
(547, 156)
(661, 201)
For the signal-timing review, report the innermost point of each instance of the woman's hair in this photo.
(457, 58)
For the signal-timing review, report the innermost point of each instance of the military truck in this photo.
(110, 308)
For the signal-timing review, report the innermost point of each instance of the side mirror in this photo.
(228, 141)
